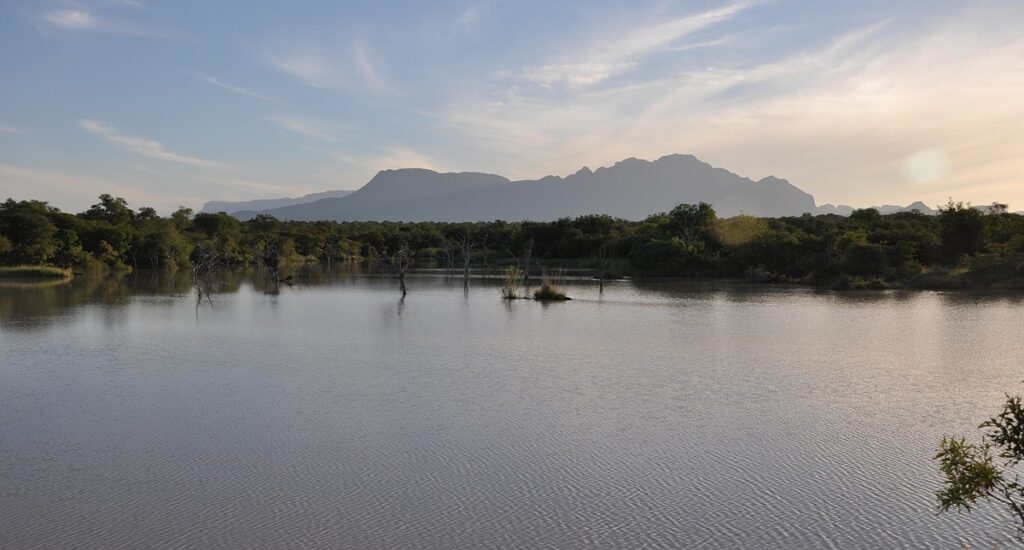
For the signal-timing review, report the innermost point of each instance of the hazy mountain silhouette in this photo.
(631, 189)
(844, 210)
(265, 204)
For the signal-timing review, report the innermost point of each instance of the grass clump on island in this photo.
(34, 272)
(549, 291)
(509, 288)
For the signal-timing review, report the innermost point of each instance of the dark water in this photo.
(332, 414)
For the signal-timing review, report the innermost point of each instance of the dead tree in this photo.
(602, 265)
(270, 257)
(329, 251)
(466, 247)
(449, 257)
(399, 261)
(204, 262)
(524, 260)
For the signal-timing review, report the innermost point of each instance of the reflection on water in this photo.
(333, 413)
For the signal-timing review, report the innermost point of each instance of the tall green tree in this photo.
(962, 230)
(27, 226)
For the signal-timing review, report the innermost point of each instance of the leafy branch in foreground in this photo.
(986, 470)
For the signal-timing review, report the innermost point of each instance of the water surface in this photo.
(655, 414)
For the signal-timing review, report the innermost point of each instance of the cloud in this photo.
(839, 119)
(11, 130)
(469, 16)
(312, 68)
(232, 88)
(608, 58)
(304, 126)
(82, 20)
(78, 20)
(368, 69)
(360, 169)
(143, 146)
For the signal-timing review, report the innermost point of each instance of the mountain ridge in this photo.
(631, 188)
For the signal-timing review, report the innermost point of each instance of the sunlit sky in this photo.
(177, 102)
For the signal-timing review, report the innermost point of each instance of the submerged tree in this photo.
(986, 470)
(204, 262)
(466, 249)
(399, 261)
(271, 259)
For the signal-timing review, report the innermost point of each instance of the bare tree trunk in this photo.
(467, 250)
(400, 261)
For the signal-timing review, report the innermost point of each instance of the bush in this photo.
(938, 278)
(549, 291)
(846, 282)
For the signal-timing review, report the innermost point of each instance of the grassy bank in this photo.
(34, 272)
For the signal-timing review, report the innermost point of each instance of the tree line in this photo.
(961, 246)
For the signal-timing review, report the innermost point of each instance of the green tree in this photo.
(690, 222)
(865, 260)
(27, 227)
(986, 471)
(111, 209)
(962, 230)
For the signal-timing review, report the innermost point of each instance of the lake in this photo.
(658, 414)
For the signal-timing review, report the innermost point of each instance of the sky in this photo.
(174, 103)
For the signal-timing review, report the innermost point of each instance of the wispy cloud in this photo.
(396, 157)
(313, 68)
(309, 67)
(82, 20)
(4, 129)
(368, 68)
(469, 16)
(232, 88)
(839, 118)
(304, 126)
(608, 58)
(143, 146)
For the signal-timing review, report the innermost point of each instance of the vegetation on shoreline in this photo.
(34, 272)
(962, 247)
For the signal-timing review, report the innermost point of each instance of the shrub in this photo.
(510, 284)
(938, 278)
(549, 291)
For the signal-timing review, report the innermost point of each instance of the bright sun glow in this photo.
(926, 166)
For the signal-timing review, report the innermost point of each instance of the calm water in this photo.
(332, 414)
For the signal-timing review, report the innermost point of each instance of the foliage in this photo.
(550, 290)
(34, 271)
(963, 246)
(962, 230)
(988, 470)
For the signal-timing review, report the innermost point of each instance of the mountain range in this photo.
(631, 189)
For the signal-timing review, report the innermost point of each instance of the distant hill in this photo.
(843, 210)
(266, 204)
(631, 189)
